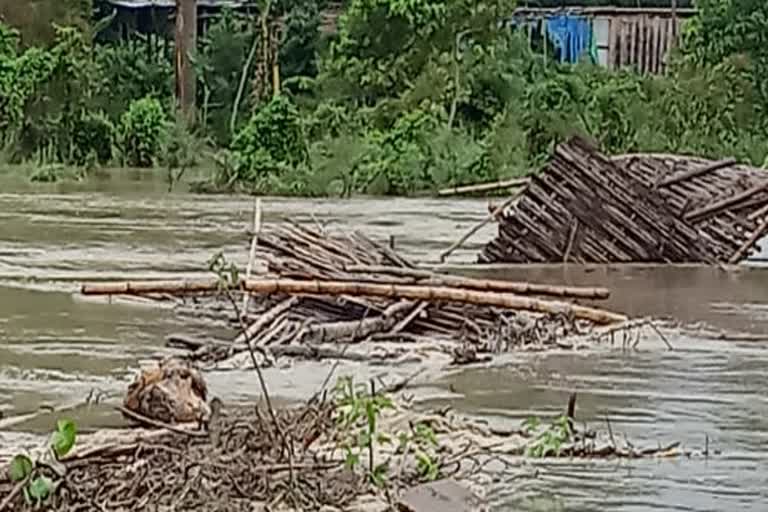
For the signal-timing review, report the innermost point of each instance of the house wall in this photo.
(642, 41)
(638, 38)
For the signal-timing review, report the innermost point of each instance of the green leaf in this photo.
(40, 488)
(63, 439)
(364, 439)
(379, 475)
(21, 467)
(352, 459)
(425, 433)
(531, 424)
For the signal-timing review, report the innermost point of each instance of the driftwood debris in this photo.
(342, 288)
(585, 207)
(242, 461)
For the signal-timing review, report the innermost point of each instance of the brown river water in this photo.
(57, 347)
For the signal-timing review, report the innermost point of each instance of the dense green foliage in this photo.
(35, 18)
(406, 96)
(143, 128)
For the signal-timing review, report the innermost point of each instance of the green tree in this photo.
(301, 40)
(730, 29)
(385, 48)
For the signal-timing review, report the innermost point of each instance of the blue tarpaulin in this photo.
(571, 35)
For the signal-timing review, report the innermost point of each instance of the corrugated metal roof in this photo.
(170, 4)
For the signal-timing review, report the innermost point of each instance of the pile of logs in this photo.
(322, 288)
(585, 207)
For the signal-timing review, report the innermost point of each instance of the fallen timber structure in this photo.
(584, 207)
(343, 289)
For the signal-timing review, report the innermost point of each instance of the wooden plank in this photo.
(613, 48)
(633, 43)
(642, 44)
(697, 171)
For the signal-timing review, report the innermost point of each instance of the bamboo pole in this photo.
(337, 288)
(254, 244)
(489, 285)
(698, 171)
(742, 251)
(494, 214)
(264, 320)
(717, 206)
(483, 187)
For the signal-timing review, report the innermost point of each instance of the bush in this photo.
(138, 74)
(93, 137)
(143, 129)
(272, 139)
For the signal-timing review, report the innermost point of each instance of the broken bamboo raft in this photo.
(344, 288)
(585, 207)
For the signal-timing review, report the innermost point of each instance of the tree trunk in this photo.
(186, 44)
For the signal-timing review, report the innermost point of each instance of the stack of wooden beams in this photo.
(585, 207)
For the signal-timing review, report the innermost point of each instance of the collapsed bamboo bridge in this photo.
(585, 207)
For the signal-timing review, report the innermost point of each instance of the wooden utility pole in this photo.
(186, 43)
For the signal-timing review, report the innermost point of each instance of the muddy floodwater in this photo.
(57, 348)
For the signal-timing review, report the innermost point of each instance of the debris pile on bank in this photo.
(244, 457)
(326, 293)
(354, 447)
(585, 207)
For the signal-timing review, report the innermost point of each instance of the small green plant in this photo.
(37, 486)
(551, 439)
(354, 404)
(422, 442)
(143, 129)
(358, 413)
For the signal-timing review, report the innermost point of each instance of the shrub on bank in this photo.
(272, 141)
(143, 130)
(93, 139)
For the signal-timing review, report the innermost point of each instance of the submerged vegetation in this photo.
(403, 97)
